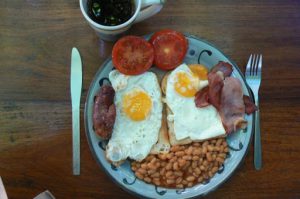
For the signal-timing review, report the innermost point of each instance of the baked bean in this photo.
(197, 144)
(200, 161)
(190, 178)
(220, 160)
(162, 171)
(194, 164)
(187, 157)
(179, 153)
(221, 148)
(196, 152)
(151, 166)
(144, 166)
(169, 166)
(173, 159)
(216, 164)
(222, 155)
(190, 170)
(175, 166)
(213, 141)
(139, 175)
(188, 163)
(169, 155)
(205, 143)
(226, 150)
(202, 168)
(184, 182)
(196, 175)
(219, 142)
(156, 179)
(170, 181)
(214, 169)
(195, 157)
(155, 175)
(169, 173)
(148, 158)
(180, 186)
(162, 156)
(150, 172)
(178, 173)
(179, 180)
(156, 182)
(200, 179)
(163, 164)
(204, 149)
(153, 160)
(217, 148)
(189, 150)
(147, 179)
(157, 164)
(214, 156)
(133, 168)
(181, 162)
(210, 174)
(208, 157)
(205, 163)
(175, 148)
(197, 171)
(142, 171)
(210, 147)
(190, 184)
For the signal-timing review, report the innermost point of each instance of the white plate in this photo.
(199, 51)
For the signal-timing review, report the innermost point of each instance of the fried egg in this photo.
(138, 116)
(190, 121)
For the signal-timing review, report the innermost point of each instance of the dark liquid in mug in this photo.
(110, 12)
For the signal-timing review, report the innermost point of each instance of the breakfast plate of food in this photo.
(168, 115)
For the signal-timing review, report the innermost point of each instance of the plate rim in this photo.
(121, 185)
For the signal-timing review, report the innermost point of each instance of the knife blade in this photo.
(76, 86)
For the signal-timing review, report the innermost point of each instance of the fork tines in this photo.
(254, 65)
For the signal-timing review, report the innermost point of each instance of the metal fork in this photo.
(253, 79)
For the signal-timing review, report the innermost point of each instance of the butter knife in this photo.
(76, 85)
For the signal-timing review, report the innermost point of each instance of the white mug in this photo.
(143, 10)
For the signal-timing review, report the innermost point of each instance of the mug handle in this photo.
(154, 7)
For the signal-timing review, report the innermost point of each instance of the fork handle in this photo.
(257, 142)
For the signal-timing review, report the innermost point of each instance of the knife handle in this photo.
(257, 143)
(76, 140)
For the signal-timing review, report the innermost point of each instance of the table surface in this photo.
(36, 38)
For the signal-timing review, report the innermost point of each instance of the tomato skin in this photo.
(170, 48)
(132, 55)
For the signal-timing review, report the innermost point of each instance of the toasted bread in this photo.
(171, 133)
(163, 144)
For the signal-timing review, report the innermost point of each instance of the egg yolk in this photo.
(185, 85)
(137, 105)
(199, 70)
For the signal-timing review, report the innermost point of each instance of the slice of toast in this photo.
(170, 130)
(163, 144)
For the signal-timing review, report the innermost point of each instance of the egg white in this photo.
(134, 139)
(190, 121)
